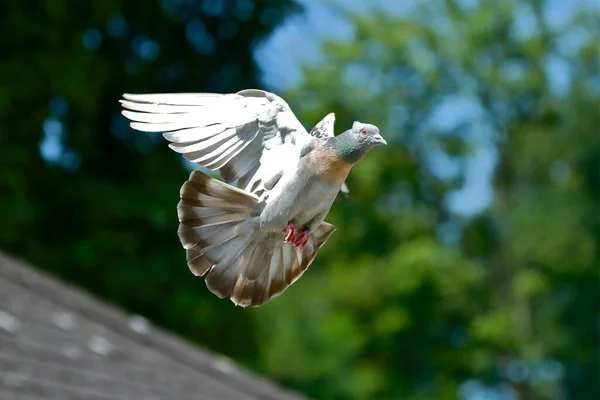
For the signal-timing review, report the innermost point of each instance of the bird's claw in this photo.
(302, 239)
(290, 229)
(292, 236)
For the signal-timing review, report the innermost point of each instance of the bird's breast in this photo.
(325, 163)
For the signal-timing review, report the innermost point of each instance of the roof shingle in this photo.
(57, 342)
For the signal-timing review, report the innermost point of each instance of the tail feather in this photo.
(215, 220)
(197, 261)
(261, 258)
(220, 190)
(205, 236)
(208, 202)
(218, 230)
(222, 276)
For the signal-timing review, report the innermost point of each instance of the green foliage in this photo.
(102, 215)
(393, 309)
(409, 299)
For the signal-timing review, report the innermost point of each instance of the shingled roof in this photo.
(57, 342)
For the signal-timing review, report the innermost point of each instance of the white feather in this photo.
(227, 155)
(203, 127)
(194, 134)
(204, 144)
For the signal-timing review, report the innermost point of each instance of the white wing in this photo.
(234, 133)
(325, 127)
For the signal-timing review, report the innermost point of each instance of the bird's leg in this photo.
(298, 239)
(302, 239)
(290, 231)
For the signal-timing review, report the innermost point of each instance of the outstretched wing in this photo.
(237, 134)
(324, 128)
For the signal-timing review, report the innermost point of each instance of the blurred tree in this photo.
(82, 194)
(411, 299)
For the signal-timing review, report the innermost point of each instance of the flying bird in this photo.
(256, 231)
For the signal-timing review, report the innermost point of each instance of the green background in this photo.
(409, 299)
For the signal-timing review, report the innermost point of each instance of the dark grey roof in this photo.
(57, 342)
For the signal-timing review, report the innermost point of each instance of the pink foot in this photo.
(290, 229)
(302, 239)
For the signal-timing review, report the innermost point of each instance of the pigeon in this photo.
(256, 230)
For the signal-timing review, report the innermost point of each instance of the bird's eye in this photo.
(363, 131)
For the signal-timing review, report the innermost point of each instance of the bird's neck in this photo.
(348, 147)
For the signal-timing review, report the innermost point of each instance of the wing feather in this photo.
(231, 133)
(325, 127)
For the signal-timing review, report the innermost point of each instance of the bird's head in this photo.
(368, 135)
(355, 142)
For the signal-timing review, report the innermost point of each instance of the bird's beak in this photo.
(379, 139)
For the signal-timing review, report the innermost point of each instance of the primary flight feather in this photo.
(259, 230)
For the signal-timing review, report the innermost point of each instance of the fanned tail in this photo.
(219, 230)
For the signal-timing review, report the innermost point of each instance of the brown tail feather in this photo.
(216, 229)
